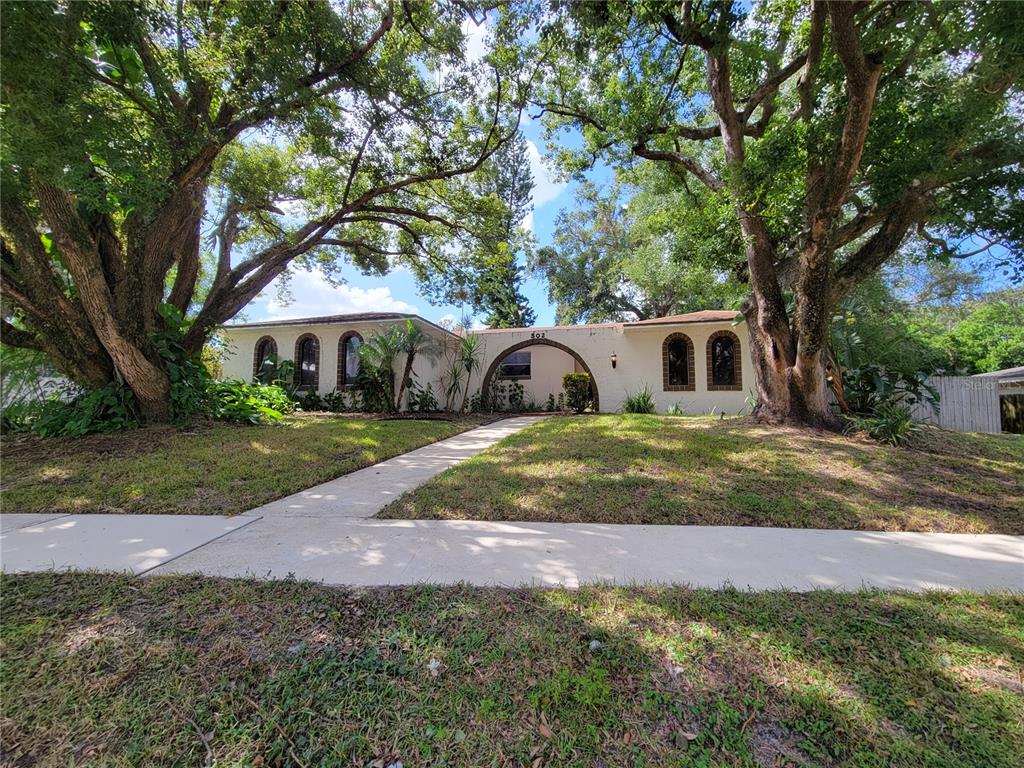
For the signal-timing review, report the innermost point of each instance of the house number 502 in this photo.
(537, 335)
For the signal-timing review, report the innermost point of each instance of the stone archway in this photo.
(485, 387)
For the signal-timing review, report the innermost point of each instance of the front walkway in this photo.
(327, 534)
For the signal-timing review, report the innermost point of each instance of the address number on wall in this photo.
(537, 335)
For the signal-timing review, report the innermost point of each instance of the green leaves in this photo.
(943, 119)
(991, 336)
(249, 403)
(642, 248)
(577, 387)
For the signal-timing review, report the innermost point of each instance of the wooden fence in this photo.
(966, 404)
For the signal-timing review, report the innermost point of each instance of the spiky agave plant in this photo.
(470, 354)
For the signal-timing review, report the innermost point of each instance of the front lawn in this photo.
(192, 671)
(703, 471)
(211, 468)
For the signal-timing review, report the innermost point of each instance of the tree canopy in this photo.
(496, 265)
(835, 130)
(987, 336)
(140, 138)
(163, 162)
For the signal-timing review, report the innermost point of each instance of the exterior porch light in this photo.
(615, 359)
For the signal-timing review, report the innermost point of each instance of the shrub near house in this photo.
(577, 391)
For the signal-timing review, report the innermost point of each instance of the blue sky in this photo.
(313, 295)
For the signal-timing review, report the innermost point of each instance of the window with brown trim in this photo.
(725, 370)
(677, 363)
(307, 362)
(265, 349)
(348, 358)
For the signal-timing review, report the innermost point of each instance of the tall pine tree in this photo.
(496, 265)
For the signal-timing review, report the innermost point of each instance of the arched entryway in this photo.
(540, 343)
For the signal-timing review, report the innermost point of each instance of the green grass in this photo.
(212, 468)
(702, 471)
(104, 670)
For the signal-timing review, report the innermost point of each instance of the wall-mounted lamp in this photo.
(615, 359)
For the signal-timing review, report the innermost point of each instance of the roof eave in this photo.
(335, 320)
(641, 326)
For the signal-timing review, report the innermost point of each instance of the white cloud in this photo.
(546, 186)
(448, 321)
(313, 295)
(476, 40)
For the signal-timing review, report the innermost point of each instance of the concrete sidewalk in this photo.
(132, 543)
(139, 543)
(373, 552)
(327, 533)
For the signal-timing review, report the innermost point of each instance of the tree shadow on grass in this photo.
(650, 470)
(158, 672)
(906, 679)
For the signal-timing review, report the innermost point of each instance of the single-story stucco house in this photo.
(699, 360)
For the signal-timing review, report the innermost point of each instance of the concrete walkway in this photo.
(140, 543)
(133, 543)
(327, 534)
(372, 552)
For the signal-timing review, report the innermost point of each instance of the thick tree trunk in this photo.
(140, 368)
(789, 391)
(151, 386)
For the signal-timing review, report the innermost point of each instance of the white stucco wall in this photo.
(638, 352)
(547, 367)
(241, 344)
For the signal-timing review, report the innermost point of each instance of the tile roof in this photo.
(702, 316)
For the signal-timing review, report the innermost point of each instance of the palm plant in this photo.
(376, 380)
(451, 379)
(412, 341)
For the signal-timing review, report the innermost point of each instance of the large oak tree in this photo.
(836, 131)
(187, 153)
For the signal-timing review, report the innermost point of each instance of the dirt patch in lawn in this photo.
(27, 448)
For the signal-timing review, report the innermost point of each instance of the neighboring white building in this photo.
(699, 360)
(1010, 383)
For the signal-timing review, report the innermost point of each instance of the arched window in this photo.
(677, 363)
(265, 348)
(307, 361)
(348, 358)
(725, 370)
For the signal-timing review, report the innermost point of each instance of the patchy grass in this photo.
(186, 671)
(701, 471)
(212, 468)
